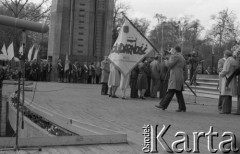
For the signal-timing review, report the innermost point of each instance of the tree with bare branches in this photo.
(23, 9)
(120, 8)
(224, 28)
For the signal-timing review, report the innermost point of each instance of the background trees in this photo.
(23, 9)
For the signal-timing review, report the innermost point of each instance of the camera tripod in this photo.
(195, 85)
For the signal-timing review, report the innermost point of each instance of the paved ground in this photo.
(85, 103)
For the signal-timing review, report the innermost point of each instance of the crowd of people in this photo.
(77, 73)
(159, 77)
(164, 74)
(34, 71)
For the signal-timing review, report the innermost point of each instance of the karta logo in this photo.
(152, 137)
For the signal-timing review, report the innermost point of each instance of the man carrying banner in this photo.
(178, 74)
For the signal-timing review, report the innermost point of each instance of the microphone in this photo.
(23, 24)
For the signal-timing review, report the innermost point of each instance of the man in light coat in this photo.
(178, 75)
(105, 75)
(220, 68)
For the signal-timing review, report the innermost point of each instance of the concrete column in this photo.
(55, 34)
(108, 27)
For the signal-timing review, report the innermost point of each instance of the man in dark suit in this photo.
(178, 74)
(60, 70)
(74, 72)
(48, 70)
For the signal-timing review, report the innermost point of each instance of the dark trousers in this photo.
(226, 104)
(48, 76)
(167, 99)
(163, 88)
(104, 90)
(98, 78)
(220, 100)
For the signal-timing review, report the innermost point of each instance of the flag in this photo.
(10, 52)
(36, 53)
(3, 57)
(30, 53)
(66, 67)
(130, 48)
(4, 50)
(21, 52)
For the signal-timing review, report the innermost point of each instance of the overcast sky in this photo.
(200, 9)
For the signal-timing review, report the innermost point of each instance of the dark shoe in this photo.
(110, 95)
(114, 96)
(123, 97)
(160, 107)
(180, 110)
(142, 97)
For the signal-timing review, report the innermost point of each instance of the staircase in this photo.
(207, 87)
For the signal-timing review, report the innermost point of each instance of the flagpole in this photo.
(140, 33)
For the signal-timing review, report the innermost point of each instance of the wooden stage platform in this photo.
(83, 103)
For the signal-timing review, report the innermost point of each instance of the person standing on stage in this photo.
(220, 68)
(98, 72)
(178, 75)
(133, 82)
(113, 80)
(105, 75)
(74, 72)
(85, 70)
(155, 76)
(49, 70)
(60, 70)
(142, 80)
(193, 63)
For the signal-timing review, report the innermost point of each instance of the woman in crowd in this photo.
(227, 93)
(142, 81)
(133, 82)
(113, 80)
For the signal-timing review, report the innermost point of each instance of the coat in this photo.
(105, 71)
(124, 82)
(178, 71)
(114, 76)
(229, 67)
(220, 68)
(164, 73)
(155, 70)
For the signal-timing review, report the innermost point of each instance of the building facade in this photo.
(80, 28)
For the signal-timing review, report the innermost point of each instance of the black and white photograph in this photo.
(119, 76)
